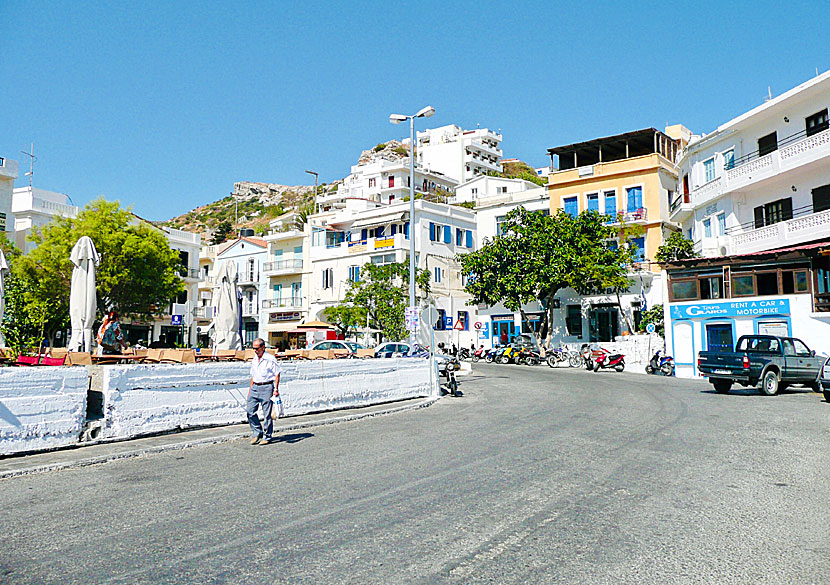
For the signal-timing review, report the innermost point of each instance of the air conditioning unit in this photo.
(723, 251)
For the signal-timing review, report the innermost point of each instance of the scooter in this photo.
(478, 354)
(587, 356)
(491, 354)
(609, 360)
(529, 357)
(463, 353)
(448, 370)
(510, 354)
(661, 363)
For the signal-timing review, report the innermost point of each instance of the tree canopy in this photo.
(138, 274)
(345, 317)
(383, 292)
(676, 247)
(536, 255)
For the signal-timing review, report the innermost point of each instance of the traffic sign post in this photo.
(175, 319)
(650, 328)
(411, 318)
(477, 325)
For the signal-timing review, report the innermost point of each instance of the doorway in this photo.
(719, 338)
(604, 322)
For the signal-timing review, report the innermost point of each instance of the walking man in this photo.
(265, 383)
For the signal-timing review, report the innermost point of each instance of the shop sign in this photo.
(384, 243)
(277, 317)
(731, 309)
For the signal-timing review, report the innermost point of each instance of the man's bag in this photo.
(277, 411)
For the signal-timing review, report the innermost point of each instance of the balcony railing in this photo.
(803, 227)
(283, 265)
(249, 278)
(640, 214)
(203, 312)
(282, 302)
(250, 308)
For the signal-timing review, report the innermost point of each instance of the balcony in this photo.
(190, 273)
(283, 267)
(805, 226)
(250, 309)
(636, 216)
(681, 208)
(282, 303)
(248, 279)
(207, 281)
(203, 312)
(480, 144)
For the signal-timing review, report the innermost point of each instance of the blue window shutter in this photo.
(379, 232)
(406, 230)
(571, 206)
(431, 232)
(363, 234)
(593, 202)
(611, 206)
(635, 198)
(277, 253)
(447, 234)
(394, 228)
(459, 236)
(469, 238)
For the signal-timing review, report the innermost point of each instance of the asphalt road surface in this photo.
(533, 476)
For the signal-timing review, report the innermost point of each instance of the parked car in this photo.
(824, 380)
(775, 362)
(349, 346)
(392, 349)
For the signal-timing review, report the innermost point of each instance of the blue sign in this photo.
(175, 319)
(448, 322)
(484, 332)
(731, 309)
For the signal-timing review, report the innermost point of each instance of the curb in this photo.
(232, 436)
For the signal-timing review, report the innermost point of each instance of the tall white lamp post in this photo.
(397, 119)
(315, 188)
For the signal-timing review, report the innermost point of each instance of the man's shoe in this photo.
(266, 441)
(256, 439)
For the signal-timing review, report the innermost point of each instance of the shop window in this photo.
(794, 281)
(684, 290)
(711, 287)
(766, 283)
(743, 285)
(574, 320)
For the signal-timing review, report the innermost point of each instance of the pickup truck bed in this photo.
(776, 362)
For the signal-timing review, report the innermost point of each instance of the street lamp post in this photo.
(315, 188)
(397, 119)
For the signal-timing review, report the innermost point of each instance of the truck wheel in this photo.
(827, 395)
(722, 386)
(769, 383)
(814, 386)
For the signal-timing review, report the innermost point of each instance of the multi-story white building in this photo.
(385, 180)
(286, 272)
(485, 187)
(8, 174)
(754, 196)
(343, 242)
(459, 154)
(34, 207)
(250, 255)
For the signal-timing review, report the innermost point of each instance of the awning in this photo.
(316, 324)
(273, 327)
(377, 221)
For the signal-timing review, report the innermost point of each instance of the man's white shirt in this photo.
(265, 368)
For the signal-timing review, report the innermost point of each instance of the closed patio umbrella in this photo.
(226, 308)
(83, 303)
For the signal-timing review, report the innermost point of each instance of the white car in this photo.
(337, 345)
(392, 349)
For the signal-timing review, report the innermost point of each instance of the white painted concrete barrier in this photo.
(142, 399)
(41, 408)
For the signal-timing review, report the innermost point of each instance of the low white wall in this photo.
(141, 399)
(41, 408)
(637, 349)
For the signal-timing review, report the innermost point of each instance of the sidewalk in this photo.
(94, 453)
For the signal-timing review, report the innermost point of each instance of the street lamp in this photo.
(315, 188)
(397, 119)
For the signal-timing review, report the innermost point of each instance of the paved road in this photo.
(534, 476)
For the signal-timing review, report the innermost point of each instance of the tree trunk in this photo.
(624, 314)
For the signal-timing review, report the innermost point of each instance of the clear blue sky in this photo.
(164, 106)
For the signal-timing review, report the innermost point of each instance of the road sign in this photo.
(411, 318)
(459, 325)
(650, 328)
(175, 319)
(477, 325)
(447, 322)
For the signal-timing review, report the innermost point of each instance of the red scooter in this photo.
(478, 354)
(609, 360)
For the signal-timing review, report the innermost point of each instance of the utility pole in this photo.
(32, 159)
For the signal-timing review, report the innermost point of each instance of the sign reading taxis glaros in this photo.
(731, 309)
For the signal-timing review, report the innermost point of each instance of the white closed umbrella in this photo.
(226, 308)
(3, 268)
(83, 303)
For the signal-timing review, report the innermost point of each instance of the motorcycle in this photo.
(587, 356)
(478, 354)
(491, 354)
(609, 360)
(509, 354)
(448, 369)
(661, 363)
(559, 355)
(528, 357)
(464, 353)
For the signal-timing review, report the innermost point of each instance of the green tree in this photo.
(346, 318)
(654, 315)
(676, 247)
(537, 255)
(223, 230)
(383, 293)
(25, 318)
(138, 274)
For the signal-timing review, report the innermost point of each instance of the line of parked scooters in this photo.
(591, 359)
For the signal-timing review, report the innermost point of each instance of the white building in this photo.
(34, 207)
(342, 242)
(485, 187)
(250, 255)
(287, 273)
(459, 154)
(386, 180)
(754, 196)
(8, 174)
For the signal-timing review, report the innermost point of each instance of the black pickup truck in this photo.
(776, 362)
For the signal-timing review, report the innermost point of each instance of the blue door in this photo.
(719, 338)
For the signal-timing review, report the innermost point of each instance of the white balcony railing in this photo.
(203, 312)
(283, 266)
(785, 233)
(250, 308)
(248, 278)
(282, 302)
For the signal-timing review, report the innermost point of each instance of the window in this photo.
(789, 347)
(501, 190)
(684, 290)
(821, 198)
(707, 228)
(373, 182)
(635, 198)
(571, 206)
(801, 349)
(383, 259)
(464, 317)
(328, 278)
(774, 212)
(766, 283)
(354, 273)
(721, 217)
(439, 323)
(433, 232)
(743, 285)
(729, 159)
(391, 181)
(437, 274)
(278, 253)
(474, 191)
(469, 238)
(817, 122)
(447, 234)
(767, 144)
(500, 228)
(592, 202)
(406, 230)
(640, 252)
(611, 205)
(711, 287)
(709, 170)
(459, 236)
(573, 321)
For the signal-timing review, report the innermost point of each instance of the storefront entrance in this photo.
(719, 338)
(504, 329)
(604, 322)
